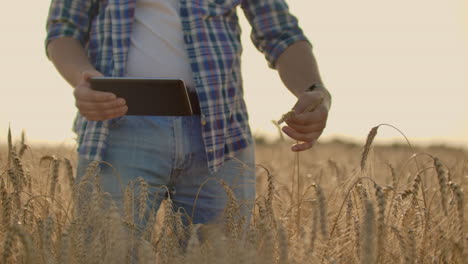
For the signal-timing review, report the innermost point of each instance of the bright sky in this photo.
(399, 62)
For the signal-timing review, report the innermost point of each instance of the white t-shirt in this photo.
(157, 47)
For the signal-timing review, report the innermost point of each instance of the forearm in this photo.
(70, 59)
(298, 69)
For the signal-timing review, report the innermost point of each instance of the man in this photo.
(197, 41)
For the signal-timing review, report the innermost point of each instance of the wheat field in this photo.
(338, 203)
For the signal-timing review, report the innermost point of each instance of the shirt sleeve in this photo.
(69, 18)
(274, 28)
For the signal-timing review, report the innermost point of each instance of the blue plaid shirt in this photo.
(212, 37)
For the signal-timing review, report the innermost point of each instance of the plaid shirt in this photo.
(212, 37)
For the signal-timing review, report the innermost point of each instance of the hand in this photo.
(306, 127)
(95, 105)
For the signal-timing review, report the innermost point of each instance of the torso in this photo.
(157, 47)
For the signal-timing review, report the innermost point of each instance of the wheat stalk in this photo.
(368, 232)
(380, 220)
(283, 245)
(323, 210)
(442, 184)
(8, 245)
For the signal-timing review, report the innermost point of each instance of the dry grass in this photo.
(346, 204)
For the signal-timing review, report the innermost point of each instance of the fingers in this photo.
(306, 140)
(310, 120)
(320, 114)
(96, 105)
(307, 102)
(309, 128)
(104, 114)
(302, 146)
(101, 109)
(90, 106)
(86, 75)
(304, 137)
(84, 92)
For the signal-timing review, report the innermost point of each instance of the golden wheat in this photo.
(343, 208)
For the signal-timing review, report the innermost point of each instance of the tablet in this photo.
(148, 96)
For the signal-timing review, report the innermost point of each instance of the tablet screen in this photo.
(148, 96)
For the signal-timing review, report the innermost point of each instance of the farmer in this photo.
(197, 41)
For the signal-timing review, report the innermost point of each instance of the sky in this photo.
(399, 62)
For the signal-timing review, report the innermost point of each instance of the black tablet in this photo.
(148, 96)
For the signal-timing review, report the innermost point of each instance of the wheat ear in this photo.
(290, 114)
(369, 140)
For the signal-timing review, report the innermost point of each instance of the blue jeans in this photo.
(169, 152)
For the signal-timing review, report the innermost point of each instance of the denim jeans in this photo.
(169, 151)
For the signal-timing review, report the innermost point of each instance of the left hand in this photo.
(307, 127)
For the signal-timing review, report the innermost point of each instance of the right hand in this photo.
(96, 105)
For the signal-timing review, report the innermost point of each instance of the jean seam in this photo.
(174, 154)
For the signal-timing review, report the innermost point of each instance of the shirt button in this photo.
(198, 79)
(203, 122)
(188, 39)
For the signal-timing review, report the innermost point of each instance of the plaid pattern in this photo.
(212, 37)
